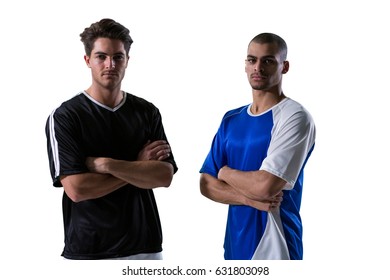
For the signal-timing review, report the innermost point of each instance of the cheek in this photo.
(96, 64)
(122, 65)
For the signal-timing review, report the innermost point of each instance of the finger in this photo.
(156, 143)
(161, 150)
(164, 155)
(278, 199)
(274, 205)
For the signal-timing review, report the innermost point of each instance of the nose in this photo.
(110, 63)
(259, 67)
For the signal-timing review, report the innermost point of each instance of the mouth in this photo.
(110, 73)
(257, 77)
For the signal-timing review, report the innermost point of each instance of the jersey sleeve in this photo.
(216, 158)
(64, 152)
(158, 133)
(291, 143)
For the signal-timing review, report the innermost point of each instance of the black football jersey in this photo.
(126, 221)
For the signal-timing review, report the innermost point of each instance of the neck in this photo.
(110, 98)
(262, 101)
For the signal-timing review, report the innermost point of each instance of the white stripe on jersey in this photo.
(54, 145)
(273, 245)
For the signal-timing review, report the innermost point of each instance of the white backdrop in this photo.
(188, 59)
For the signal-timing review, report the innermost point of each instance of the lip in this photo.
(257, 77)
(110, 73)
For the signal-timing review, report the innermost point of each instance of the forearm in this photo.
(220, 191)
(143, 174)
(256, 185)
(85, 186)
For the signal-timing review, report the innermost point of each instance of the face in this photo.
(108, 63)
(264, 67)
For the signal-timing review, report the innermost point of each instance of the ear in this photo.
(286, 67)
(86, 59)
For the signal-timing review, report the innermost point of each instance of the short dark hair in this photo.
(105, 28)
(270, 38)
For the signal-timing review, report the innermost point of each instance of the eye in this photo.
(101, 57)
(119, 58)
(251, 60)
(268, 61)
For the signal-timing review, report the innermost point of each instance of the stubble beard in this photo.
(256, 86)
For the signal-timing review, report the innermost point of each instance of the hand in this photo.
(269, 205)
(275, 201)
(221, 171)
(157, 150)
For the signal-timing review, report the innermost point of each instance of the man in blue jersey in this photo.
(108, 150)
(256, 161)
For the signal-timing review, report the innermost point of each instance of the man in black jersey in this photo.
(107, 148)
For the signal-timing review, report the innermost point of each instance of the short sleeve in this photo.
(292, 140)
(65, 156)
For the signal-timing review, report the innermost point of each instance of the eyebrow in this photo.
(250, 56)
(263, 57)
(121, 53)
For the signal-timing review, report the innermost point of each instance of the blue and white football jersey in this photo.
(280, 141)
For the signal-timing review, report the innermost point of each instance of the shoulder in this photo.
(235, 112)
(70, 110)
(290, 108)
(293, 118)
(77, 100)
(290, 105)
(136, 99)
(139, 102)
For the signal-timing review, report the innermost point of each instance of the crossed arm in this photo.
(107, 175)
(259, 189)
